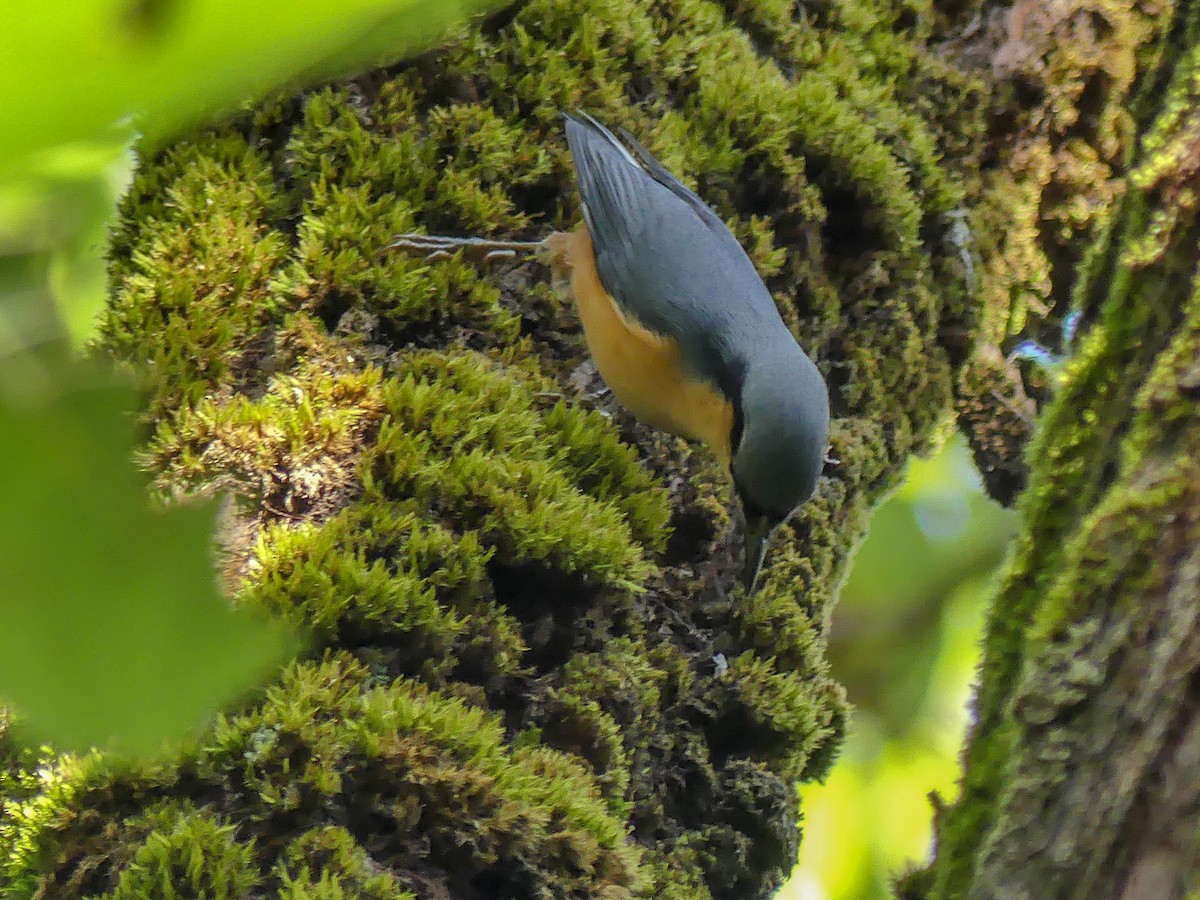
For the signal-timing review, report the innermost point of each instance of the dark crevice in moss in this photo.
(548, 604)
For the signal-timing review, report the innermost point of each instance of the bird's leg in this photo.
(433, 246)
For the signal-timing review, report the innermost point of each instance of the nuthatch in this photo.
(681, 326)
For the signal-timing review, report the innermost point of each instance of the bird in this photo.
(681, 326)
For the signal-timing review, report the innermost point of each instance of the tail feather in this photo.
(586, 127)
(591, 127)
(611, 182)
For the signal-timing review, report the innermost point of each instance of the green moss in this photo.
(34, 797)
(606, 712)
(455, 761)
(377, 576)
(785, 717)
(194, 290)
(328, 864)
(329, 739)
(1066, 152)
(309, 422)
(470, 440)
(186, 854)
(608, 470)
(678, 875)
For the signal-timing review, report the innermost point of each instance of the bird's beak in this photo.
(758, 530)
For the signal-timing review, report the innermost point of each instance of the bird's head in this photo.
(785, 431)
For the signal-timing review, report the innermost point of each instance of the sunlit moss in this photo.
(195, 290)
(186, 853)
(328, 864)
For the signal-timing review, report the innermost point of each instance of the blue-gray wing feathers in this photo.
(666, 257)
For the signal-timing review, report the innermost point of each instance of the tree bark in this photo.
(1082, 775)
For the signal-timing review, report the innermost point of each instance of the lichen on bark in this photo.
(531, 673)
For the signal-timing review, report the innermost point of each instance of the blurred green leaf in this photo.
(112, 628)
(79, 75)
(98, 173)
(73, 69)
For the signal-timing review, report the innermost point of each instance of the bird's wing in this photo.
(614, 184)
(611, 184)
(664, 256)
(659, 173)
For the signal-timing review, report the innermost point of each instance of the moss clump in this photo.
(186, 853)
(430, 481)
(197, 292)
(331, 740)
(328, 864)
(377, 576)
(305, 428)
(463, 436)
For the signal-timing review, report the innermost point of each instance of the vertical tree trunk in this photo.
(1083, 770)
(532, 673)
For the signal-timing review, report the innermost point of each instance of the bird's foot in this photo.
(433, 246)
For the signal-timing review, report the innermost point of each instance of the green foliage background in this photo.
(905, 642)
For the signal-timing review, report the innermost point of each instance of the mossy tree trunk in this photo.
(531, 674)
(1083, 769)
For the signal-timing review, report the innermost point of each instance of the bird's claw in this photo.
(428, 245)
